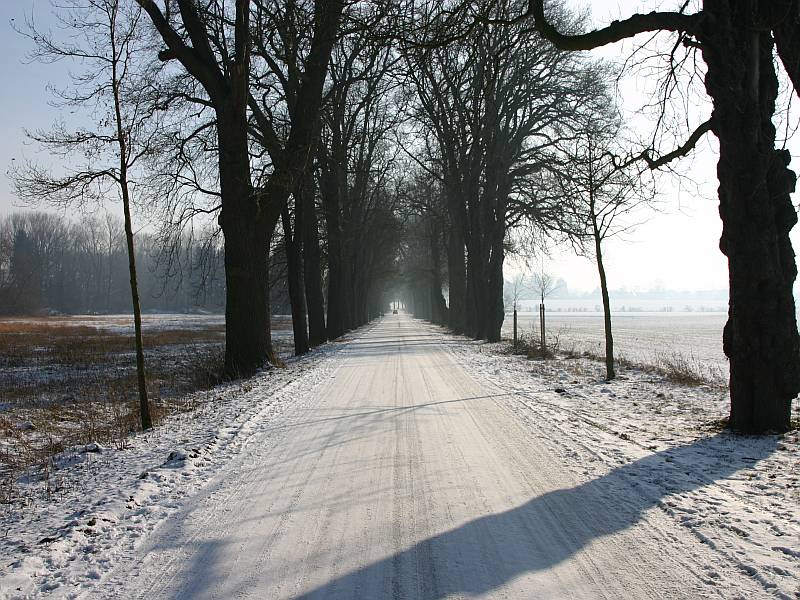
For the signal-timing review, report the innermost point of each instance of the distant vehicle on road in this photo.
(394, 312)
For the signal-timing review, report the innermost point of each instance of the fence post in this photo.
(515, 328)
(541, 325)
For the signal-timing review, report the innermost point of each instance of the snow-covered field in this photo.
(70, 380)
(642, 337)
(408, 460)
(69, 350)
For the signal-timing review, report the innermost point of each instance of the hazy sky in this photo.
(676, 248)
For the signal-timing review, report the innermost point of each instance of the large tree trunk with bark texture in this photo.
(248, 343)
(760, 337)
(331, 208)
(456, 270)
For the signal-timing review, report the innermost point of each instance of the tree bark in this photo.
(247, 231)
(760, 337)
(438, 306)
(456, 270)
(294, 275)
(495, 311)
(312, 265)
(331, 209)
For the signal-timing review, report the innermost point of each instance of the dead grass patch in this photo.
(68, 385)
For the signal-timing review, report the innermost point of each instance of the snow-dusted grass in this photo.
(66, 381)
(65, 529)
(740, 495)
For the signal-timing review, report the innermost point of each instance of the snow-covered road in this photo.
(404, 474)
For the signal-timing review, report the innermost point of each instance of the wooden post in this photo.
(541, 325)
(515, 328)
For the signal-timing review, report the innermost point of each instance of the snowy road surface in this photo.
(404, 476)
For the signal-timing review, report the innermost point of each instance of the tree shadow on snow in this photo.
(548, 529)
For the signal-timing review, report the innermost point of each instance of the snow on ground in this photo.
(62, 540)
(739, 495)
(641, 337)
(649, 448)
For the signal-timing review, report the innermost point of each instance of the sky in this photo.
(23, 97)
(675, 248)
(678, 246)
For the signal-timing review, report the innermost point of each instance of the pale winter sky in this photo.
(675, 248)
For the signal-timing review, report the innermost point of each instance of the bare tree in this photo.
(495, 102)
(544, 284)
(213, 43)
(599, 189)
(356, 166)
(424, 217)
(104, 36)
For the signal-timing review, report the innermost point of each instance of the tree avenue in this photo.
(248, 217)
(408, 148)
(498, 102)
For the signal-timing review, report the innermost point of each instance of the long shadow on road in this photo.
(484, 554)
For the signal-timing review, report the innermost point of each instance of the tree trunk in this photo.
(294, 276)
(760, 337)
(457, 276)
(495, 307)
(542, 331)
(247, 231)
(346, 290)
(331, 206)
(144, 404)
(601, 270)
(438, 307)
(312, 266)
(471, 316)
(515, 325)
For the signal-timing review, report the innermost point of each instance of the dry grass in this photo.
(65, 384)
(687, 370)
(529, 344)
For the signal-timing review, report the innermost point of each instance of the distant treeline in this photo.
(49, 264)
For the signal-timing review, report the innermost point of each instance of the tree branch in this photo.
(207, 74)
(616, 31)
(654, 164)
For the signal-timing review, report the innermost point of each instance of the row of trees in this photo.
(523, 146)
(418, 142)
(732, 48)
(216, 109)
(51, 265)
